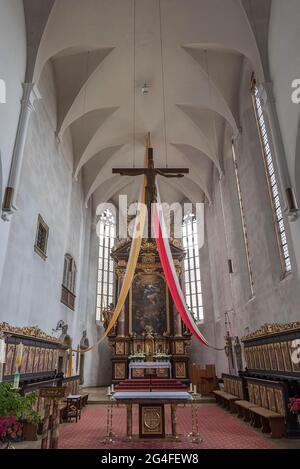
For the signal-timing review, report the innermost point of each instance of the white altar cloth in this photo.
(145, 365)
(180, 395)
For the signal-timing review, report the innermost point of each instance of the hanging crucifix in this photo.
(151, 172)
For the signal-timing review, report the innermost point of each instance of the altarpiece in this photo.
(149, 326)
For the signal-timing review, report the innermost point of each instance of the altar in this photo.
(149, 329)
(150, 366)
(152, 408)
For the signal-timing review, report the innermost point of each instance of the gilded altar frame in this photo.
(143, 274)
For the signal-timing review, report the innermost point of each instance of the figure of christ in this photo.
(151, 172)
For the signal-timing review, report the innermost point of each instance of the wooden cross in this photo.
(151, 172)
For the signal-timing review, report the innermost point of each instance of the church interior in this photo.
(150, 229)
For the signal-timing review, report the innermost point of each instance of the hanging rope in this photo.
(163, 82)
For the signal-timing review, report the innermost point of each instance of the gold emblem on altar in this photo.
(152, 421)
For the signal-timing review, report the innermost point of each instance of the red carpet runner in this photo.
(218, 428)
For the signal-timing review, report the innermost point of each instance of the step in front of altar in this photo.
(151, 384)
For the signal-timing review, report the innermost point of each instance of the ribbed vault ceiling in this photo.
(100, 62)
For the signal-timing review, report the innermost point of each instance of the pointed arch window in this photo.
(105, 277)
(271, 175)
(192, 275)
(69, 282)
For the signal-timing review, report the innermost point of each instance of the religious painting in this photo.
(286, 356)
(36, 360)
(266, 357)
(55, 360)
(51, 356)
(259, 358)
(138, 346)
(295, 365)
(273, 358)
(256, 394)
(279, 356)
(279, 399)
(262, 357)
(10, 360)
(179, 348)
(251, 392)
(138, 373)
(226, 385)
(246, 357)
(24, 359)
(162, 373)
(264, 397)
(250, 358)
(271, 399)
(46, 361)
(30, 360)
(42, 360)
(240, 390)
(148, 304)
(256, 360)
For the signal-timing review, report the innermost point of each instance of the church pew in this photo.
(232, 392)
(266, 406)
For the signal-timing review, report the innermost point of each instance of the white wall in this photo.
(284, 57)
(275, 300)
(31, 287)
(12, 70)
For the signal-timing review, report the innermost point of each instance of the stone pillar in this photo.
(266, 95)
(29, 95)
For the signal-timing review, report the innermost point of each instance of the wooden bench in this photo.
(266, 407)
(232, 392)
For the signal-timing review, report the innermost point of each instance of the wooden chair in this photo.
(72, 410)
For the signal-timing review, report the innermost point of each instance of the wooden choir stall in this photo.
(262, 393)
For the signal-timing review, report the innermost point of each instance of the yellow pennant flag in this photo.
(131, 266)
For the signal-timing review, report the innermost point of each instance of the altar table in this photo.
(150, 365)
(156, 400)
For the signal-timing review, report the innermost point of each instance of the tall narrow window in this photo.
(272, 180)
(192, 275)
(242, 212)
(105, 285)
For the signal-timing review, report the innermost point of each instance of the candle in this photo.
(112, 388)
(108, 391)
(191, 387)
(195, 389)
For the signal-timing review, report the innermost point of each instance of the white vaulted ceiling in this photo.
(95, 49)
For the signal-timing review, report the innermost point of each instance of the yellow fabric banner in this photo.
(131, 266)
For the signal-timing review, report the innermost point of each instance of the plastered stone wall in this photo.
(12, 71)
(31, 287)
(275, 299)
